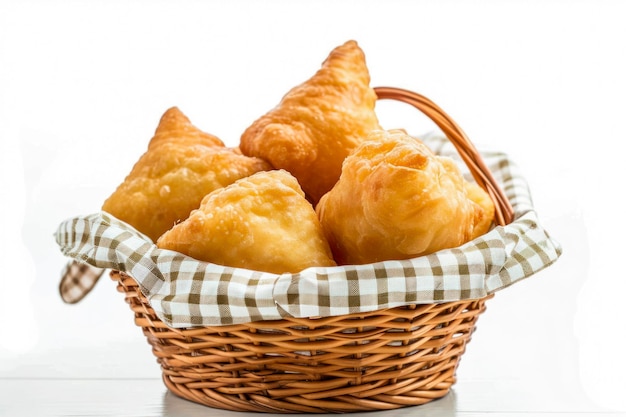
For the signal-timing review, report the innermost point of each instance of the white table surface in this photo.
(147, 398)
(83, 84)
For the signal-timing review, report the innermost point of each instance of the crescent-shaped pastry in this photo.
(181, 166)
(262, 222)
(318, 123)
(397, 200)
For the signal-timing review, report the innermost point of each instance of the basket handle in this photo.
(484, 178)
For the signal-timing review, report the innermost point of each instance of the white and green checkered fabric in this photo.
(185, 292)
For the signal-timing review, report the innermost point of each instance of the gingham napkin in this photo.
(77, 280)
(185, 292)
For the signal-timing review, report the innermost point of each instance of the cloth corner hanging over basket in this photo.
(245, 340)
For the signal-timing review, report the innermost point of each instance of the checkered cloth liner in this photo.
(77, 280)
(185, 292)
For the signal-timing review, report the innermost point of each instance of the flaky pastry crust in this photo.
(397, 200)
(318, 123)
(181, 166)
(262, 222)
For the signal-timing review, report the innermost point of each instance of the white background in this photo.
(83, 85)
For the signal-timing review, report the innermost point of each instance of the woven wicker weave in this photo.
(376, 361)
(381, 360)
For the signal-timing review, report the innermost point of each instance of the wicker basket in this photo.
(381, 360)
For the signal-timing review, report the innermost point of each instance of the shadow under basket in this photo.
(381, 360)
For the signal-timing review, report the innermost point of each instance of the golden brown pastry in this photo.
(181, 166)
(174, 126)
(262, 222)
(482, 218)
(318, 123)
(397, 200)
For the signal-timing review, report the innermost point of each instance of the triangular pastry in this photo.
(318, 123)
(262, 222)
(175, 127)
(181, 166)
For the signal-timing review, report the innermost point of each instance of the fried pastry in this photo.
(318, 123)
(262, 222)
(482, 218)
(181, 165)
(396, 199)
(175, 127)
